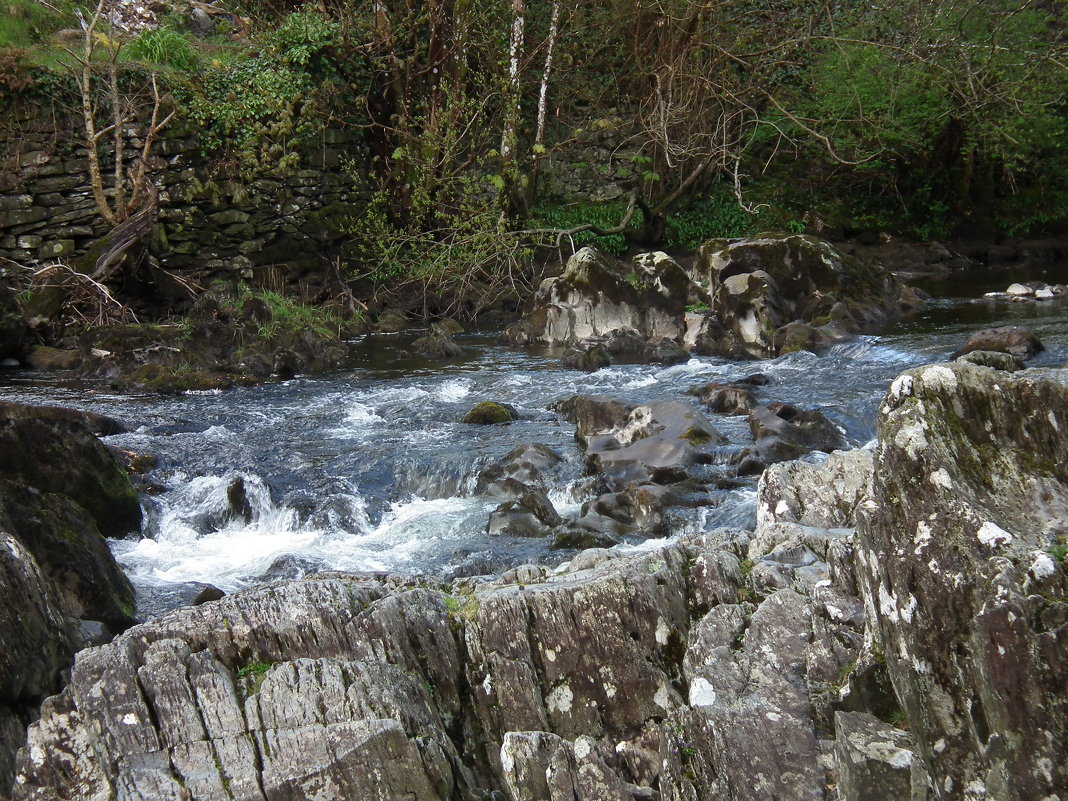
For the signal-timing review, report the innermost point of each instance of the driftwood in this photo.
(129, 232)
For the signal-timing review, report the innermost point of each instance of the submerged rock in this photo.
(1012, 339)
(490, 413)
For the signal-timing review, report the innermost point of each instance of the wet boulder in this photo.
(59, 456)
(728, 399)
(782, 432)
(596, 296)
(958, 551)
(530, 465)
(99, 424)
(84, 579)
(488, 413)
(659, 441)
(530, 515)
(763, 285)
(587, 357)
(1015, 340)
(438, 343)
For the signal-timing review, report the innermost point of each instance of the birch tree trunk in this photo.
(512, 196)
(543, 101)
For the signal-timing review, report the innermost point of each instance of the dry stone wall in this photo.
(213, 222)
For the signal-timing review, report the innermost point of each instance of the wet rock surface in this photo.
(1014, 340)
(772, 294)
(60, 587)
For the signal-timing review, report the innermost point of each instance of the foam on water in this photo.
(454, 390)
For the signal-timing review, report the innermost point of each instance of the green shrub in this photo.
(717, 215)
(164, 47)
(572, 215)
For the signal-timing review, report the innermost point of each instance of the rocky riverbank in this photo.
(893, 628)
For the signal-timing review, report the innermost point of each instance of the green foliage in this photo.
(603, 215)
(163, 47)
(717, 215)
(260, 104)
(287, 314)
(1059, 553)
(24, 23)
(253, 674)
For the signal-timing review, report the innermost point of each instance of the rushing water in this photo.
(370, 471)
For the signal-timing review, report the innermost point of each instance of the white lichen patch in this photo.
(702, 692)
(130, 719)
(912, 439)
(939, 378)
(662, 698)
(1042, 567)
(550, 655)
(992, 535)
(609, 690)
(781, 508)
(908, 608)
(1053, 420)
(939, 745)
(940, 478)
(663, 631)
(888, 605)
(922, 538)
(901, 388)
(560, 699)
(487, 684)
(583, 747)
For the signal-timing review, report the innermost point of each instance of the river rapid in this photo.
(369, 470)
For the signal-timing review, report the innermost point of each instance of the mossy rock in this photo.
(56, 456)
(489, 413)
(76, 560)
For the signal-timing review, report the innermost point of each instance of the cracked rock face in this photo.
(970, 495)
(621, 678)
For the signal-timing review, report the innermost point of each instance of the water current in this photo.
(370, 470)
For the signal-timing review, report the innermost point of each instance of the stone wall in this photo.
(214, 224)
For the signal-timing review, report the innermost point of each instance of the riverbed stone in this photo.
(490, 413)
(660, 440)
(530, 465)
(783, 432)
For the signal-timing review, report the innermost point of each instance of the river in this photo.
(370, 470)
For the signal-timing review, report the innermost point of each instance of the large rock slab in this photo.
(587, 684)
(958, 548)
(765, 283)
(596, 296)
